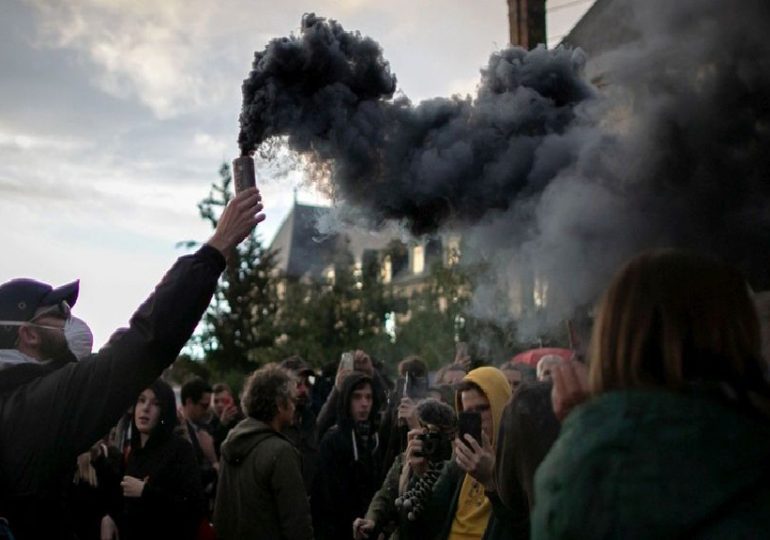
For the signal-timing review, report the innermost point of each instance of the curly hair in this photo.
(265, 389)
(434, 412)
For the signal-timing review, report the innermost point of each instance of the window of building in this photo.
(540, 292)
(387, 270)
(418, 259)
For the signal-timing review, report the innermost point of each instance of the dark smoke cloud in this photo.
(552, 179)
(330, 92)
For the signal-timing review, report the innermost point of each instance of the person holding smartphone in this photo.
(466, 486)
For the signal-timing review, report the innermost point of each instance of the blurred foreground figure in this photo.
(53, 407)
(678, 418)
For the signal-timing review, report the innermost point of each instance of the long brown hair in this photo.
(670, 318)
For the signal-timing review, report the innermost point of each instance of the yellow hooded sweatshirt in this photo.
(473, 506)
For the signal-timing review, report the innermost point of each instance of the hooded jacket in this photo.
(348, 472)
(50, 413)
(260, 493)
(172, 504)
(656, 464)
(438, 517)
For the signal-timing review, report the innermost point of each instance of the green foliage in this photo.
(320, 320)
(435, 315)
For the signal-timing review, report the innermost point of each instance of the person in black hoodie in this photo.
(160, 495)
(349, 467)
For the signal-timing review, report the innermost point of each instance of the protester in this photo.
(52, 407)
(450, 374)
(302, 431)
(444, 393)
(160, 495)
(226, 415)
(678, 418)
(196, 404)
(545, 366)
(401, 414)
(440, 421)
(464, 503)
(518, 373)
(261, 493)
(362, 363)
(349, 467)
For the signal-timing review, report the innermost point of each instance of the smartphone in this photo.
(415, 387)
(469, 422)
(346, 361)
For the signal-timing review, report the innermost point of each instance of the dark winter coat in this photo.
(348, 472)
(260, 493)
(656, 464)
(172, 504)
(50, 413)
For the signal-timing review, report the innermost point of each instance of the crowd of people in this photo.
(660, 430)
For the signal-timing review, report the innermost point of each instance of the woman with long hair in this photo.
(160, 495)
(675, 437)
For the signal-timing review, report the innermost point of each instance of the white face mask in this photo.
(79, 337)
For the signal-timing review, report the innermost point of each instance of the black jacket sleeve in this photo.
(49, 420)
(179, 492)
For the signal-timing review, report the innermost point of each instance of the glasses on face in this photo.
(61, 310)
(47, 327)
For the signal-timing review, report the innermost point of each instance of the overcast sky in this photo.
(115, 117)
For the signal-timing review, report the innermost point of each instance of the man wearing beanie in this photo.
(466, 487)
(54, 406)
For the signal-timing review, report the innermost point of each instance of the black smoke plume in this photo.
(559, 181)
(330, 91)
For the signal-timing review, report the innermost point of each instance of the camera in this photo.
(436, 446)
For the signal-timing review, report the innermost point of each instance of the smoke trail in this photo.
(330, 91)
(559, 182)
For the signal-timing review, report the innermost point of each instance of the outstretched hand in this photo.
(237, 221)
(570, 387)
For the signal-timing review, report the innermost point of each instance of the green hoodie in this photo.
(655, 464)
(261, 493)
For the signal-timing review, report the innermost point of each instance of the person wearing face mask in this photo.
(53, 407)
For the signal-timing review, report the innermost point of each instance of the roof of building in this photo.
(305, 252)
(302, 250)
(604, 27)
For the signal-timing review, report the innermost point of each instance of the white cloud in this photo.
(153, 51)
